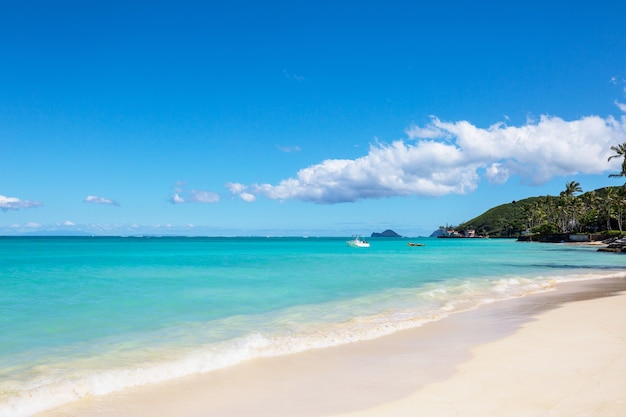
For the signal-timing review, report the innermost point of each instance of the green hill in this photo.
(592, 212)
(506, 220)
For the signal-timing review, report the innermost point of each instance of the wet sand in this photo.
(569, 362)
(561, 353)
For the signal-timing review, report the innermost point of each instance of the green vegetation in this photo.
(620, 152)
(592, 212)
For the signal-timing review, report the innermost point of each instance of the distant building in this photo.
(448, 232)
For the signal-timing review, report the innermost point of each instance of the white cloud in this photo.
(176, 199)
(241, 190)
(235, 187)
(537, 151)
(181, 196)
(13, 203)
(69, 223)
(497, 174)
(100, 200)
(247, 197)
(451, 158)
(203, 197)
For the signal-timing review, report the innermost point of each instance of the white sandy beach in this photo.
(569, 362)
(553, 354)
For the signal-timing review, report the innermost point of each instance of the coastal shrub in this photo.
(546, 229)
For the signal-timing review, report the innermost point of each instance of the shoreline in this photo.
(569, 361)
(357, 379)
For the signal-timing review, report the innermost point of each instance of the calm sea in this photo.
(85, 316)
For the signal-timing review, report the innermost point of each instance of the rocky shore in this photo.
(614, 245)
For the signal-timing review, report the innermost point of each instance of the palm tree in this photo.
(569, 205)
(608, 200)
(621, 204)
(591, 208)
(573, 187)
(620, 152)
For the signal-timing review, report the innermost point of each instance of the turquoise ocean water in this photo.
(88, 316)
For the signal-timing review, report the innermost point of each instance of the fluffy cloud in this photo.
(203, 197)
(248, 197)
(241, 191)
(176, 199)
(100, 200)
(13, 203)
(181, 196)
(451, 158)
(537, 151)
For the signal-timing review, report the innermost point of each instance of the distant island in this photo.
(386, 233)
(437, 233)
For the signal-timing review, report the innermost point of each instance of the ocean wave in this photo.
(287, 331)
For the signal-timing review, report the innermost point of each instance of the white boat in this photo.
(357, 242)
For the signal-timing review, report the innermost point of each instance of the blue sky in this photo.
(300, 117)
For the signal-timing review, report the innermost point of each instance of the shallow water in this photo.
(81, 316)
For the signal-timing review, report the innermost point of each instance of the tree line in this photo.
(591, 212)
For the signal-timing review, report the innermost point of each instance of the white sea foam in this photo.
(289, 331)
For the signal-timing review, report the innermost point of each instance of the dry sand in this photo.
(570, 362)
(553, 354)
